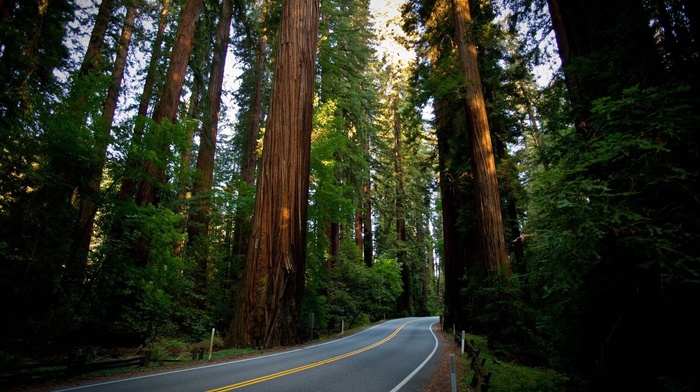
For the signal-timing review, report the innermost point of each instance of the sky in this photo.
(387, 19)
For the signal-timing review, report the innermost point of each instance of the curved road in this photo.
(395, 355)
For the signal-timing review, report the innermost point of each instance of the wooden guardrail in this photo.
(24, 373)
(480, 379)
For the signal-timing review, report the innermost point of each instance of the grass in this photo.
(508, 376)
(164, 354)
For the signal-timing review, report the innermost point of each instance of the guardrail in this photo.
(24, 373)
(480, 379)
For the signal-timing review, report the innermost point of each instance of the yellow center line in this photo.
(306, 367)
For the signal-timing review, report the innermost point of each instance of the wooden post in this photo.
(146, 360)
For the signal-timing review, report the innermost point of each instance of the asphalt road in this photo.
(397, 355)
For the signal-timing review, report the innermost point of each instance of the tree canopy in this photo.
(530, 174)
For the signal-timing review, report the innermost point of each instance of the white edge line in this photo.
(216, 364)
(416, 370)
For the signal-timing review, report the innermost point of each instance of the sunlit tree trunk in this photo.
(492, 249)
(166, 110)
(269, 304)
(152, 174)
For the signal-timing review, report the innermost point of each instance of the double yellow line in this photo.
(305, 367)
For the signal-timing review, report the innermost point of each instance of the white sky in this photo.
(387, 22)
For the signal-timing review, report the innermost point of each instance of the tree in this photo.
(152, 169)
(345, 55)
(492, 250)
(34, 209)
(269, 303)
(607, 206)
(166, 109)
(88, 199)
(253, 54)
(404, 302)
(198, 227)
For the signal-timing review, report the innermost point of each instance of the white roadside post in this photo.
(453, 373)
(211, 343)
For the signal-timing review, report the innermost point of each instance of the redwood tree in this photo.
(88, 202)
(198, 226)
(492, 250)
(269, 304)
(168, 104)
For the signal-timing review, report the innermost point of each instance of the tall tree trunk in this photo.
(250, 152)
(153, 172)
(365, 209)
(93, 55)
(168, 103)
(457, 247)
(367, 224)
(492, 249)
(242, 225)
(193, 113)
(87, 189)
(333, 234)
(585, 27)
(404, 300)
(198, 227)
(358, 225)
(88, 200)
(128, 187)
(268, 309)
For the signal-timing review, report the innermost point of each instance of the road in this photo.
(396, 355)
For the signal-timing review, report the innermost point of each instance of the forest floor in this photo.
(440, 380)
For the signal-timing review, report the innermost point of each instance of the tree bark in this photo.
(492, 250)
(367, 224)
(198, 227)
(128, 187)
(618, 29)
(88, 200)
(93, 53)
(250, 149)
(168, 104)
(404, 300)
(456, 248)
(268, 311)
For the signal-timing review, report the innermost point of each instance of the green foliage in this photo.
(609, 186)
(507, 375)
(614, 219)
(164, 348)
(388, 273)
(134, 303)
(358, 291)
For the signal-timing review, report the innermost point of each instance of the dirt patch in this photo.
(441, 380)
